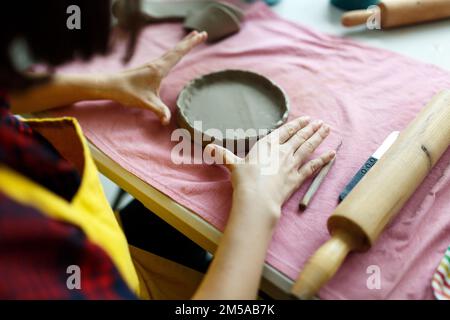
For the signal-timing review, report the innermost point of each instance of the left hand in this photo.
(286, 151)
(139, 87)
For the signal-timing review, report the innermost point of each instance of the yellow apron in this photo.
(147, 275)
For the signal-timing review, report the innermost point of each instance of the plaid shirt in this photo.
(35, 250)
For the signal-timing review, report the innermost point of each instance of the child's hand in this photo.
(277, 164)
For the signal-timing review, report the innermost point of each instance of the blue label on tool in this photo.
(361, 173)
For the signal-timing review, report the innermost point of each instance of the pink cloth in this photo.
(363, 92)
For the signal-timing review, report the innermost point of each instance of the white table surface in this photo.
(427, 42)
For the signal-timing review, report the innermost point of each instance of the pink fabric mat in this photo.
(363, 92)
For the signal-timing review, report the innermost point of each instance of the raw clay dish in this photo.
(232, 102)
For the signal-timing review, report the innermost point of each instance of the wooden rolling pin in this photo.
(364, 213)
(395, 13)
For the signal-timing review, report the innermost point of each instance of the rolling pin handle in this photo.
(355, 17)
(322, 266)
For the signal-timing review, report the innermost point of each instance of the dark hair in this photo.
(42, 26)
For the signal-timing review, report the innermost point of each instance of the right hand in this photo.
(139, 87)
(287, 149)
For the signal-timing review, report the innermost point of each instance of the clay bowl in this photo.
(233, 108)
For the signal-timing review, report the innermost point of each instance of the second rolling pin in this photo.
(395, 13)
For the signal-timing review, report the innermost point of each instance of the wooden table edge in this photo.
(273, 282)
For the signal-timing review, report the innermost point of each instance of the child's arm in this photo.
(262, 182)
(138, 87)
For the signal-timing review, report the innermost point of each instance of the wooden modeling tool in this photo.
(317, 182)
(360, 218)
(395, 13)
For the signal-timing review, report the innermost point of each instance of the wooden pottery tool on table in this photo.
(395, 13)
(360, 218)
(317, 182)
